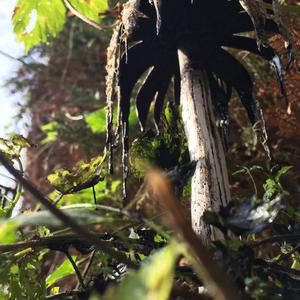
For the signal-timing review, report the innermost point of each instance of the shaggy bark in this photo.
(210, 186)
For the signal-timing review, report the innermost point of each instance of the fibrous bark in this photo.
(210, 187)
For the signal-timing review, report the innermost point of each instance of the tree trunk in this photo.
(210, 186)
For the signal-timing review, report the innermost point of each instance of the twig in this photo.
(7, 55)
(69, 222)
(291, 238)
(88, 265)
(65, 295)
(78, 274)
(57, 199)
(50, 242)
(69, 55)
(94, 195)
(86, 20)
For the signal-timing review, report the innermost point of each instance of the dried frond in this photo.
(257, 11)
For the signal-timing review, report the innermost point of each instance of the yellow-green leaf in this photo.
(36, 22)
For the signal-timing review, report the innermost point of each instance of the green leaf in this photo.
(51, 131)
(96, 120)
(85, 175)
(19, 140)
(65, 269)
(153, 280)
(91, 9)
(8, 232)
(282, 172)
(36, 22)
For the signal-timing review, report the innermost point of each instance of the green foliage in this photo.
(7, 232)
(85, 175)
(50, 17)
(12, 147)
(91, 9)
(10, 194)
(104, 190)
(260, 271)
(96, 120)
(51, 130)
(143, 154)
(37, 22)
(166, 150)
(21, 277)
(63, 270)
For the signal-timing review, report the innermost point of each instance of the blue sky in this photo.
(8, 44)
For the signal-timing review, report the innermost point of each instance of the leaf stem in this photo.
(78, 274)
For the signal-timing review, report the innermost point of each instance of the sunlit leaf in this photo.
(65, 269)
(51, 131)
(21, 141)
(36, 22)
(282, 172)
(85, 175)
(97, 120)
(91, 9)
(8, 232)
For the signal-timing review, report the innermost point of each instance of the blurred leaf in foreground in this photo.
(154, 279)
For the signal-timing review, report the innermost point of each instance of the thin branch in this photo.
(86, 20)
(88, 265)
(290, 238)
(70, 49)
(94, 195)
(69, 222)
(50, 242)
(65, 295)
(78, 274)
(7, 55)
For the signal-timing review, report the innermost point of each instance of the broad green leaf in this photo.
(96, 120)
(8, 232)
(65, 269)
(37, 21)
(153, 280)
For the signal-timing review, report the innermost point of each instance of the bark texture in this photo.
(210, 186)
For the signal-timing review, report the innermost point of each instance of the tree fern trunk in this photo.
(210, 187)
